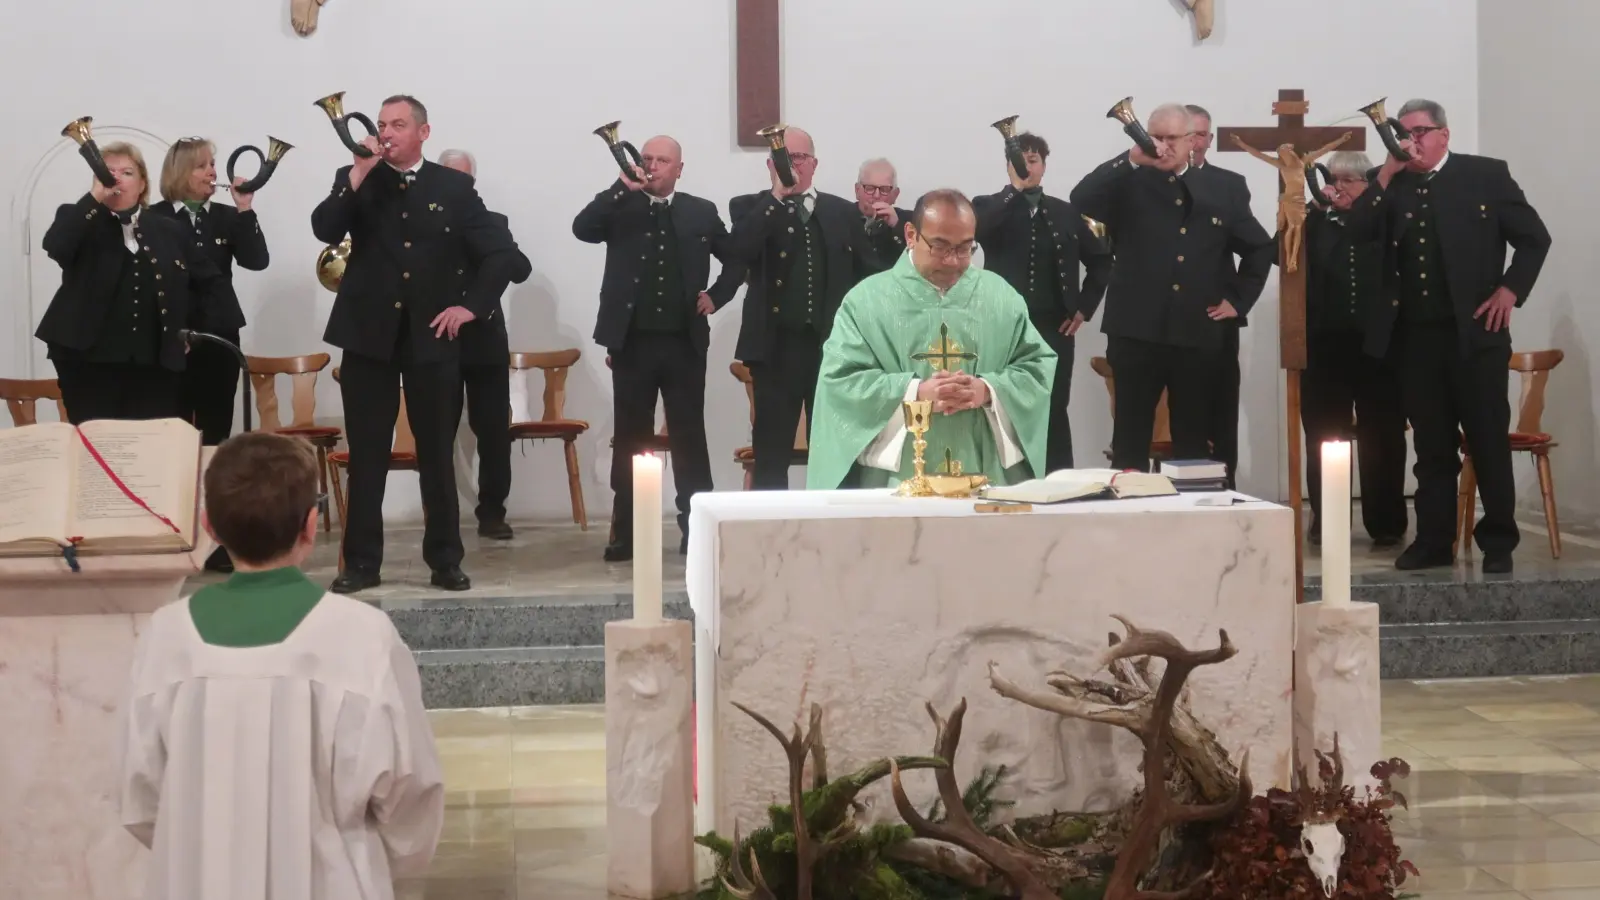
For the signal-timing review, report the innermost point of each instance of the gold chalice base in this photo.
(956, 486)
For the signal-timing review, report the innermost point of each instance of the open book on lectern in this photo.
(118, 487)
(1084, 484)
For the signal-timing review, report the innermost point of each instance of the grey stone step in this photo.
(1490, 649)
(564, 620)
(520, 676)
(1416, 602)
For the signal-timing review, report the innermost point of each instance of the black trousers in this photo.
(668, 365)
(208, 395)
(1224, 431)
(784, 383)
(488, 408)
(1058, 436)
(1143, 369)
(116, 390)
(1449, 392)
(370, 389)
(1339, 377)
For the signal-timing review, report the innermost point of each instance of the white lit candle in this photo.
(1336, 523)
(647, 538)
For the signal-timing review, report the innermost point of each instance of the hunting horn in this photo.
(79, 130)
(330, 264)
(269, 163)
(1008, 130)
(333, 105)
(1390, 131)
(1123, 112)
(621, 150)
(780, 153)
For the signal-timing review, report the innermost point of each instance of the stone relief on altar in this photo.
(303, 15)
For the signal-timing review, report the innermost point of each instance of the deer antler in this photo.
(1157, 810)
(742, 887)
(797, 747)
(958, 828)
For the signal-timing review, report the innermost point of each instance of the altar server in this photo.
(274, 741)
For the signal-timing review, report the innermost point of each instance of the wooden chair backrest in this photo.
(1534, 368)
(404, 440)
(742, 372)
(302, 372)
(1162, 433)
(555, 365)
(21, 395)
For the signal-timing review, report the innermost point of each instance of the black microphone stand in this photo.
(189, 337)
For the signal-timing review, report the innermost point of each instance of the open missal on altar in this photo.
(54, 493)
(1084, 484)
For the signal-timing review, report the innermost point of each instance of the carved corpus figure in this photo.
(1292, 205)
(1204, 12)
(303, 15)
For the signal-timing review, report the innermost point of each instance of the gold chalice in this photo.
(917, 413)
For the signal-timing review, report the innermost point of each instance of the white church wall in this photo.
(521, 84)
(1537, 115)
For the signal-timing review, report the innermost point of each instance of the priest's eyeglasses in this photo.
(949, 251)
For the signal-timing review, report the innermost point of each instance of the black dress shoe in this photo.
(617, 551)
(450, 578)
(1315, 537)
(1418, 556)
(496, 530)
(353, 580)
(1497, 564)
(1385, 541)
(683, 546)
(220, 561)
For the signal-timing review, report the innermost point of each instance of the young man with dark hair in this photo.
(290, 717)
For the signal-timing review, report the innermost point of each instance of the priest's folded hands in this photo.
(952, 392)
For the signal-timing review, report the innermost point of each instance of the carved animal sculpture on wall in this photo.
(303, 15)
(1205, 13)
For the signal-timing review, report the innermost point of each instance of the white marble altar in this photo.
(872, 605)
(66, 650)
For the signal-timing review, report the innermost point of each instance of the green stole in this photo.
(254, 609)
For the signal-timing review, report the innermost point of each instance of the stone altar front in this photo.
(872, 605)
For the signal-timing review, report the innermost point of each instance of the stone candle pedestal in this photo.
(650, 758)
(1336, 688)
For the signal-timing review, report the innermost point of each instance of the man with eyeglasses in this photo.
(877, 188)
(803, 250)
(1224, 431)
(1446, 220)
(1343, 287)
(1037, 242)
(933, 328)
(1173, 285)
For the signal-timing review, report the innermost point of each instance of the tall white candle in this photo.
(1336, 523)
(647, 538)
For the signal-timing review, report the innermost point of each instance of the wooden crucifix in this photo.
(758, 58)
(1291, 108)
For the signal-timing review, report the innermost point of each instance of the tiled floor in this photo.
(1504, 791)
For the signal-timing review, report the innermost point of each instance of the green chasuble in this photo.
(868, 364)
(253, 609)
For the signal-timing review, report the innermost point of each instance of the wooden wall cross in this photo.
(758, 60)
(1291, 108)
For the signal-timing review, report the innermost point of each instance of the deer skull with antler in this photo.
(1319, 810)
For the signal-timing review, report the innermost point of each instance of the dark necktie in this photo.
(801, 209)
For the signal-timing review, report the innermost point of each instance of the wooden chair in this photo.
(552, 423)
(402, 457)
(1161, 435)
(1533, 368)
(302, 373)
(746, 456)
(22, 395)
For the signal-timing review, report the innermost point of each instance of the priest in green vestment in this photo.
(932, 328)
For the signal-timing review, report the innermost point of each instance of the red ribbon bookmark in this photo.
(71, 550)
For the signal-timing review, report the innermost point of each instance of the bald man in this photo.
(486, 384)
(654, 306)
(805, 250)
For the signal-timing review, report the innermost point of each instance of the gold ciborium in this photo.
(950, 481)
(918, 415)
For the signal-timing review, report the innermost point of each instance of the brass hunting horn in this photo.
(79, 130)
(780, 153)
(1390, 131)
(621, 150)
(1008, 130)
(333, 105)
(330, 264)
(1123, 112)
(269, 163)
(1316, 190)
